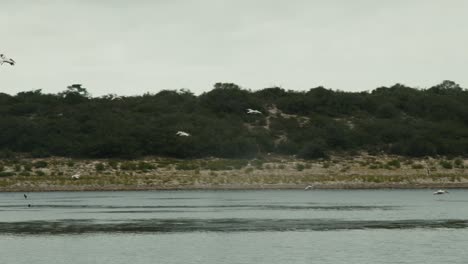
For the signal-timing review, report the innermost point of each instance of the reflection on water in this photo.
(72, 226)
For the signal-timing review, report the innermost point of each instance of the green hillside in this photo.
(310, 124)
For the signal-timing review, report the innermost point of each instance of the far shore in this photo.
(339, 186)
(267, 173)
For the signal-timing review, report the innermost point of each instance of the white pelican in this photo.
(4, 59)
(75, 176)
(440, 192)
(252, 111)
(308, 187)
(182, 134)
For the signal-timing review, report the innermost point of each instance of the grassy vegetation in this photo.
(160, 172)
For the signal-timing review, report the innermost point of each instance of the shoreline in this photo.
(237, 187)
(272, 173)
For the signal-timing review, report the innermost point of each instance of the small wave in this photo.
(73, 226)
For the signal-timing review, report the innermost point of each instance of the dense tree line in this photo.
(397, 120)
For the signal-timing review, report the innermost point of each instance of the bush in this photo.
(128, 165)
(187, 166)
(446, 164)
(7, 174)
(300, 167)
(145, 166)
(249, 170)
(313, 150)
(40, 173)
(234, 164)
(394, 163)
(459, 163)
(417, 166)
(27, 166)
(40, 164)
(99, 167)
(113, 164)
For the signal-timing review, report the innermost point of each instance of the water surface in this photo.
(319, 226)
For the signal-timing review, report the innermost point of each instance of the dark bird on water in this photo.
(25, 196)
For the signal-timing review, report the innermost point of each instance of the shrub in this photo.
(7, 174)
(313, 150)
(249, 170)
(113, 164)
(300, 167)
(28, 167)
(417, 166)
(128, 165)
(40, 164)
(144, 166)
(229, 164)
(446, 164)
(186, 166)
(40, 173)
(394, 163)
(458, 163)
(99, 167)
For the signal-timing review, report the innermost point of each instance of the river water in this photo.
(274, 226)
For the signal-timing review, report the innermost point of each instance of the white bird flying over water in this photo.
(4, 59)
(252, 111)
(75, 176)
(182, 134)
(308, 187)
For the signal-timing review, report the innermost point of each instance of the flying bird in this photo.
(4, 59)
(182, 134)
(75, 176)
(252, 111)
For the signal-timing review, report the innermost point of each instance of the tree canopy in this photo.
(311, 124)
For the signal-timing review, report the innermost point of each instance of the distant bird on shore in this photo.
(253, 111)
(4, 59)
(440, 192)
(25, 196)
(182, 134)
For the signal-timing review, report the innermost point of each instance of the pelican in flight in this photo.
(75, 176)
(182, 134)
(252, 111)
(440, 192)
(4, 59)
(308, 187)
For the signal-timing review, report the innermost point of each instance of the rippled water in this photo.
(382, 226)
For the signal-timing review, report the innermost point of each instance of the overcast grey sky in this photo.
(132, 47)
